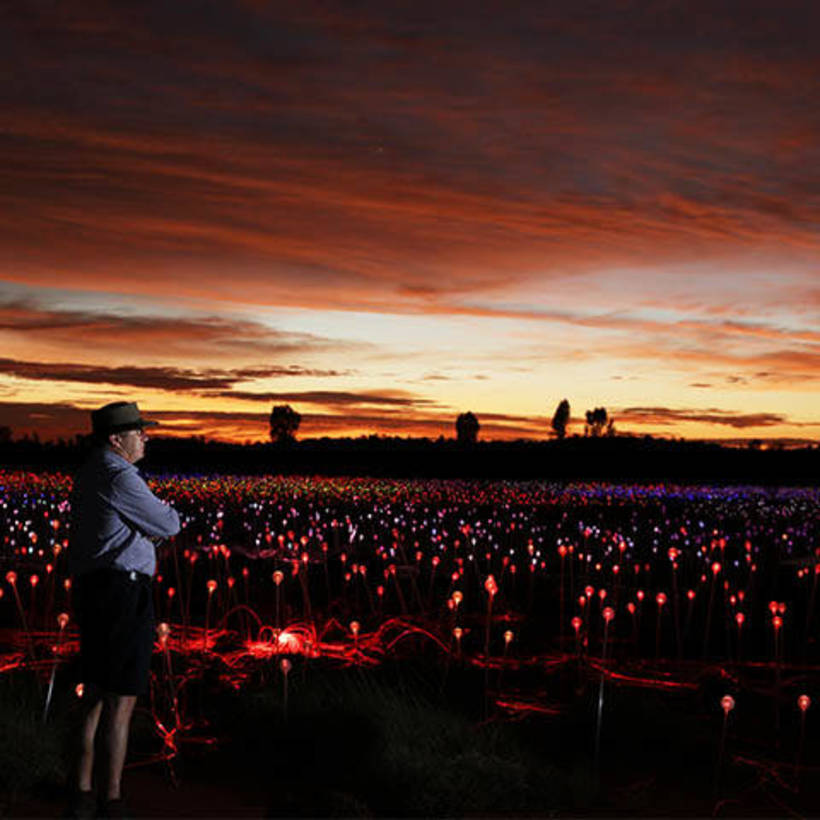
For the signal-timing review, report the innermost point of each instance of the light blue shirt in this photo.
(114, 516)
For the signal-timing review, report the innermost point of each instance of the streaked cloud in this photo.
(604, 202)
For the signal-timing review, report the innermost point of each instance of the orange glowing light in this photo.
(491, 586)
(354, 628)
(11, 577)
(457, 633)
(34, 580)
(211, 586)
(458, 597)
(79, 689)
(62, 620)
(803, 703)
(727, 703)
(278, 577)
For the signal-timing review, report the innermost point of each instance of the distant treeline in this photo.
(572, 459)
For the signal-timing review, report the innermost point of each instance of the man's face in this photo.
(129, 444)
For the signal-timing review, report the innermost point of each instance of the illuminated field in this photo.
(699, 593)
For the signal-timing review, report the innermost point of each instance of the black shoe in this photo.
(83, 806)
(115, 809)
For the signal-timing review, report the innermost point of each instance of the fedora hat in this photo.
(118, 417)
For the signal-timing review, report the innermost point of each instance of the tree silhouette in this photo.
(561, 419)
(284, 422)
(597, 420)
(467, 427)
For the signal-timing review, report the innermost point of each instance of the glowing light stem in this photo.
(676, 613)
(596, 760)
(777, 684)
(305, 592)
(207, 620)
(487, 626)
(62, 624)
(432, 584)
(810, 612)
(721, 751)
(20, 611)
(186, 617)
(708, 628)
(180, 593)
(799, 756)
(658, 633)
(561, 599)
(402, 602)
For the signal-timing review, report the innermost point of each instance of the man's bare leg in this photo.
(120, 708)
(88, 733)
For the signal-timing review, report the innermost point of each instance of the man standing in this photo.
(115, 521)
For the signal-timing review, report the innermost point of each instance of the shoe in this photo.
(115, 809)
(83, 806)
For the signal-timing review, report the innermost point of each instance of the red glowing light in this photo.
(458, 597)
(740, 618)
(79, 689)
(62, 620)
(285, 665)
(211, 586)
(777, 622)
(608, 613)
(803, 703)
(773, 607)
(491, 586)
(354, 628)
(11, 577)
(602, 594)
(639, 595)
(716, 568)
(34, 580)
(278, 577)
(630, 608)
(457, 633)
(576, 623)
(589, 591)
(660, 598)
(562, 550)
(691, 594)
(508, 636)
(727, 703)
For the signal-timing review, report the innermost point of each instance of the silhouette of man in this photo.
(115, 521)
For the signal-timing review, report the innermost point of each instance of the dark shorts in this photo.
(115, 613)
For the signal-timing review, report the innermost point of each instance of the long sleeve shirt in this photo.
(114, 515)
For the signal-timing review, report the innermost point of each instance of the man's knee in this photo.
(121, 706)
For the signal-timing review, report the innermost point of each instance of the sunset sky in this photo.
(387, 213)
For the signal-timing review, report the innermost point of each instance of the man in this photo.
(115, 520)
